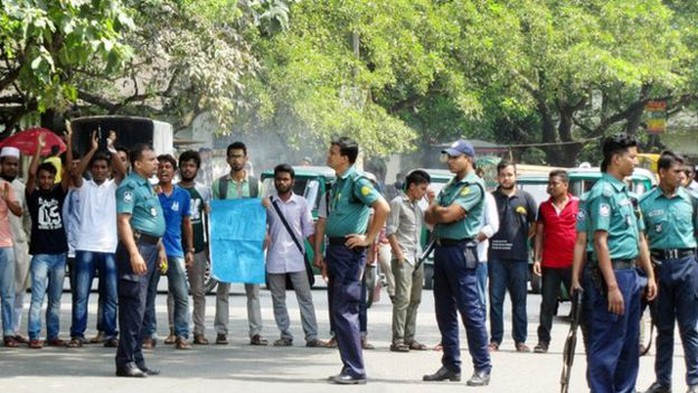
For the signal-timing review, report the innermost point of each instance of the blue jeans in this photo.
(7, 289)
(46, 269)
(509, 275)
(177, 286)
(86, 264)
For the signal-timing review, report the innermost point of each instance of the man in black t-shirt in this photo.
(508, 256)
(48, 245)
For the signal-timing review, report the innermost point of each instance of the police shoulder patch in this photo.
(604, 210)
(581, 215)
(128, 196)
(365, 190)
(465, 191)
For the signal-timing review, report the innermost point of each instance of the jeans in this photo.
(46, 269)
(197, 274)
(86, 264)
(552, 278)
(509, 275)
(177, 287)
(7, 289)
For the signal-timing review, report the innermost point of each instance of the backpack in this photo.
(223, 186)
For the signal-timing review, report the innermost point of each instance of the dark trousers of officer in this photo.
(676, 300)
(552, 277)
(132, 290)
(363, 306)
(345, 267)
(455, 290)
(613, 356)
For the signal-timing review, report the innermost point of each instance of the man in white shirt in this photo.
(286, 257)
(96, 240)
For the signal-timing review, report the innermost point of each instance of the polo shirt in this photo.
(175, 207)
(136, 196)
(516, 214)
(97, 212)
(559, 232)
(350, 201)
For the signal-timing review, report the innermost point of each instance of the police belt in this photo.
(339, 241)
(141, 237)
(673, 253)
(452, 242)
(623, 263)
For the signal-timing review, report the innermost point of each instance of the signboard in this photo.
(656, 117)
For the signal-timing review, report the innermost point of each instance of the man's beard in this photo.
(8, 177)
(187, 179)
(508, 188)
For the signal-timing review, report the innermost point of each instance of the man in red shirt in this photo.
(554, 247)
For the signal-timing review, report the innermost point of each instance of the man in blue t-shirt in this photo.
(175, 202)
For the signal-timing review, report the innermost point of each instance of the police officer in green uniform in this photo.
(619, 247)
(671, 221)
(140, 226)
(349, 235)
(456, 214)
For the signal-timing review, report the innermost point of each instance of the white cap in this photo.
(9, 151)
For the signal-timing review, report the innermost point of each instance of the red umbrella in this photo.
(27, 140)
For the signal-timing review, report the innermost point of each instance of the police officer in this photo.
(351, 198)
(618, 248)
(456, 214)
(671, 222)
(140, 225)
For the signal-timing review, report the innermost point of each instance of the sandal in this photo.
(74, 343)
(10, 342)
(417, 346)
(493, 347)
(399, 347)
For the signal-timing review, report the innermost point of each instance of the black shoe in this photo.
(130, 370)
(658, 387)
(346, 379)
(479, 378)
(442, 374)
(149, 371)
(111, 343)
(541, 348)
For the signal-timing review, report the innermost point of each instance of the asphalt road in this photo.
(243, 368)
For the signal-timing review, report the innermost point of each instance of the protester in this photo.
(20, 226)
(8, 204)
(290, 223)
(189, 163)
(176, 206)
(237, 184)
(96, 241)
(404, 232)
(48, 245)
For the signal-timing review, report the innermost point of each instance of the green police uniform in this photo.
(350, 198)
(670, 222)
(613, 339)
(468, 193)
(611, 210)
(135, 196)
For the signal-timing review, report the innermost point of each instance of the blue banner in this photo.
(236, 237)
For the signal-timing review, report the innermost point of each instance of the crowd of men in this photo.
(105, 218)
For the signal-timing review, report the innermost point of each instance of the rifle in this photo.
(425, 254)
(571, 342)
